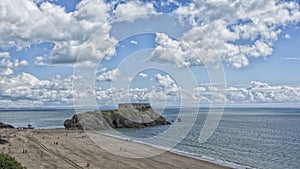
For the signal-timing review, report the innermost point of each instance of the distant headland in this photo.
(127, 115)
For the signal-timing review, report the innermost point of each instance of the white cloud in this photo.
(165, 80)
(287, 36)
(104, 69)
(166, 90)
(217, 25)
(200, 89)
(254, 93)
(110, 75)
(133, 10)
(7, 64)
(169, 50)
(26, 88)
(292, 58)
(127, 79)
(115, 95)
(134, 42)
(143, 75)
(258, 92)
(18, 63)
(4, 55)
(31, 24)
(167, 84)
(69, 32)
(6, 72)
(39, 60)
(238, 61)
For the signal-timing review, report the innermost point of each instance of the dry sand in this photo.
(74, 149)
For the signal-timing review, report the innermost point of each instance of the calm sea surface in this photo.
(258, 138)
(38, 118)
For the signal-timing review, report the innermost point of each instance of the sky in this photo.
(87, 53)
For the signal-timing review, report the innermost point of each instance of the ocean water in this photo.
(42, 119)
(253, 137)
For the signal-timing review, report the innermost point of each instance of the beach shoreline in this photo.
(186, 154)
(60, 148)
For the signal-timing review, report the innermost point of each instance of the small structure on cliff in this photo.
(134, 105)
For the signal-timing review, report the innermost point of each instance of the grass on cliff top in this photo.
(135, 112)
(7, 162)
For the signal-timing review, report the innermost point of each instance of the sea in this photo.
(266, 138)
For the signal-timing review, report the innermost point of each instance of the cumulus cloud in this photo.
(7, 64)
(218, 26)
(104, 69)
(39, 60)
(165, 90)
(237, 31)
(143, 75)
(137, 10)
(167, 84)
(110, 75)
(4, 55)
(127, 79)
(25, 89)
(134, 42)
(287, 36)
(32, 24)
(113, 96)
(6, 72)
(253, 93)
(69, 32)
(10, 63)
(258, 92)
(169, 50)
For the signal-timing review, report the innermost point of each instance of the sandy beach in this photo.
(59, 148)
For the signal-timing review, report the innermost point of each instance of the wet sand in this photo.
(60, 148)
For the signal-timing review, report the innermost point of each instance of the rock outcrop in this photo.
(121, 118)
(2, 141)
(5, 126)
(73, 123)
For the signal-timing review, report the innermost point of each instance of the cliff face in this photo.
(121, 118)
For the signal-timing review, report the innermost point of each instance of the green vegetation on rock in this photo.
(7, 162)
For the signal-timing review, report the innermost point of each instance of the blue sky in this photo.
(256, 45)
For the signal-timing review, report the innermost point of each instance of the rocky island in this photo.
(128, 115)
